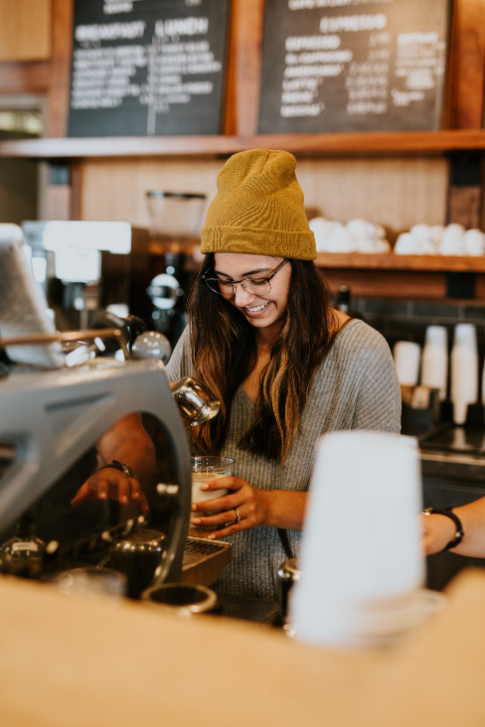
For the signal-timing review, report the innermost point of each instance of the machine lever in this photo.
(67, 336)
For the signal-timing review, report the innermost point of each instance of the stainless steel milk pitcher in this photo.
(194, 401)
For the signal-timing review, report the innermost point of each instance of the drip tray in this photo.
(204, 560)
(455, 440)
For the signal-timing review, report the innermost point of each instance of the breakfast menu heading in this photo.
(148, 67)
(353, 65)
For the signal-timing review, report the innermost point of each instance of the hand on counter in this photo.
(110, 483)
(244, 507)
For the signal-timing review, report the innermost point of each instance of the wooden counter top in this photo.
(98, 663)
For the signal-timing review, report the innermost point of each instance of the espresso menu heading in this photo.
(353, 65)
(148, 67)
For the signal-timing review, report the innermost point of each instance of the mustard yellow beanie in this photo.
(259, 208)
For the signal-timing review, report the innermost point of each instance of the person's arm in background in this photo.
(128, 443)
(440, 530)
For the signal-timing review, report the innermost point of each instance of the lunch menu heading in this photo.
(148, 67)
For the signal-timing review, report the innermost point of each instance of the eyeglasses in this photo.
(253, 286)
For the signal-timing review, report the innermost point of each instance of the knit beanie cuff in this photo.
(254, 241)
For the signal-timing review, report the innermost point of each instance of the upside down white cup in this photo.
(434, 362)
(407, 357)
(464, 371)
(362, 562)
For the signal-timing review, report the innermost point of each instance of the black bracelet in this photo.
(124, 468)
(459, 527)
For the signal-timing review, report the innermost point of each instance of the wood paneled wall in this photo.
(115, 189)
(25, 30)
(467, 64)
(62, 24)
(395, 192)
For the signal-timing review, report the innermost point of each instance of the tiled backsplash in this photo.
(400, 321)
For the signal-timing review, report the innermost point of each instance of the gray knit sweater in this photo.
(355, 388)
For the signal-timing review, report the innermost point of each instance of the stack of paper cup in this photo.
(407, 356)
(434, 364)
(362, 560)
(464, 371)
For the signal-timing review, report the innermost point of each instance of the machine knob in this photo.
(151, 345)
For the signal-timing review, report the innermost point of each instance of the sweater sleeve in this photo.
(378, 406)
(180, 363)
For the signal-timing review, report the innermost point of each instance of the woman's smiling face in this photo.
(260, 311)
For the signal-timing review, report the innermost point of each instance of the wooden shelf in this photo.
(411, 263)
(427, 142)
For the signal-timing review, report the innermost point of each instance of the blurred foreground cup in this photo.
(362, 563)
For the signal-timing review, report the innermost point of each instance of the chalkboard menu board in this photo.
(148, 67)
(353, 65)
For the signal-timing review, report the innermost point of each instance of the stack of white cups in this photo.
(464, 371)
(434, 365)
(362, 562)
(407, 357)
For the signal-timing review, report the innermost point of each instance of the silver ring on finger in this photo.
(238, 517)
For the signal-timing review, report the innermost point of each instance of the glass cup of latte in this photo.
(206, 469)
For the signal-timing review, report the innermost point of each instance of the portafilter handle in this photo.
(194, 401)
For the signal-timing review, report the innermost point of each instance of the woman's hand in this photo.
(244, 500)
(111, 483)
(438, 531)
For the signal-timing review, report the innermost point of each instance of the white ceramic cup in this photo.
(421, 232)
(407, 357)
(452, 240)
(360, 228)
(474, 243)
(406, 244)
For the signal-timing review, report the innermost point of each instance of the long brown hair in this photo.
(224, 352)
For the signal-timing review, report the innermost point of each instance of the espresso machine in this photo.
(54, 410)
(82, 266)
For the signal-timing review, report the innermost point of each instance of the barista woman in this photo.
(262, 336)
